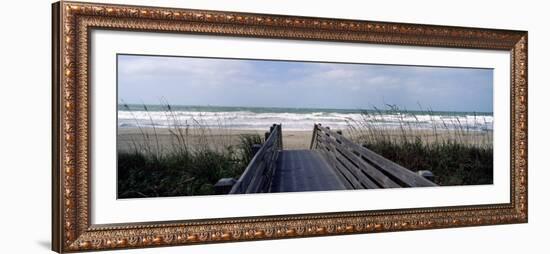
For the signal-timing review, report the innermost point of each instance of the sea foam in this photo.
(250, 120)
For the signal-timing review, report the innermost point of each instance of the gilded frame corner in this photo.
(71, 226)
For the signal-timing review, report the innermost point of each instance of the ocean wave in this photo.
(299, 121)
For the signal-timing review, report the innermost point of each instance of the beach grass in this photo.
(187, 168)
(454, 152)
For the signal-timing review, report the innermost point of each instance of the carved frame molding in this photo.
(71, 226)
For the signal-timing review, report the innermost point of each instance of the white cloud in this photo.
(276, 83)
(192, 70)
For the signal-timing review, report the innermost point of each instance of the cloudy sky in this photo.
(257, 83)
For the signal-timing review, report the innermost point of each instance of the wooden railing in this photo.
(359, 167)
(257, 176)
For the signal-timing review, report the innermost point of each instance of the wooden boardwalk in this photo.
(333, 162)
(304, 170)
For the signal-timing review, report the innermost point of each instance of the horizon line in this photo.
(427, 110)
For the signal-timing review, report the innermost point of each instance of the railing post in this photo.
(224, 186)
(313, 136)
(280, 131)
(426, 174)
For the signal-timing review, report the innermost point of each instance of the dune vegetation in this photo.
(186, 168)
(453, 151)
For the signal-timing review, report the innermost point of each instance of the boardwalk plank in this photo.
(304, 170)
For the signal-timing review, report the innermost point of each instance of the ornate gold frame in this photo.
(71, 227)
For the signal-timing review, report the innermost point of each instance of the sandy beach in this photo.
(129, 138)
(473, 138)
(216, 138)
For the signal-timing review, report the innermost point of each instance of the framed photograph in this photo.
(179, 126)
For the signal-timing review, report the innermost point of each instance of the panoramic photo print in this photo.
(192, 126)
